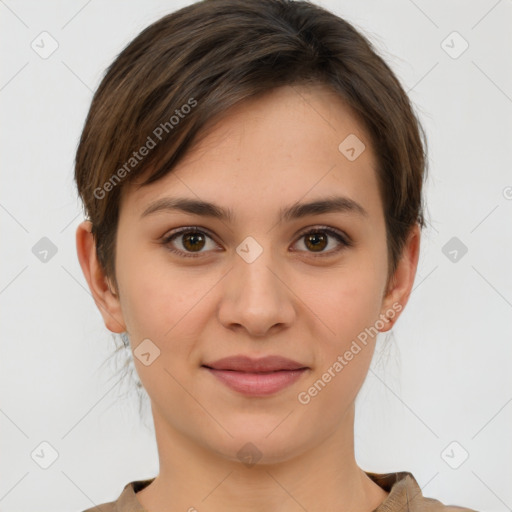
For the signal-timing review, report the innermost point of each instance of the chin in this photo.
(260, 443)
(260, 452)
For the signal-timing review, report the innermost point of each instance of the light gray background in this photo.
(444, 376)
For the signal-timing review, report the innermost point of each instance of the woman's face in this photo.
(256, 284)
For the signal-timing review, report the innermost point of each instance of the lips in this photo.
(256, 377)
(266, 364)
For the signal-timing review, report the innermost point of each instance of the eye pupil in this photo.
(195, 237)
(318, 240)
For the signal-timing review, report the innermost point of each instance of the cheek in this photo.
(167, 305)
(347, 302)
(166, 309)
(155, 296)
(350, 308)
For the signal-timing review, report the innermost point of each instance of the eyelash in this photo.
(340, 237)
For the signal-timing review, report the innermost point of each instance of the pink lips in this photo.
(256, 377)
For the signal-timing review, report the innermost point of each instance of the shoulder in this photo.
(127, 500)
(405, 495)
(104, 507)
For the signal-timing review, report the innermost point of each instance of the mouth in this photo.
(241, 363)
(256, 377)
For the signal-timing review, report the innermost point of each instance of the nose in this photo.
(257, 296)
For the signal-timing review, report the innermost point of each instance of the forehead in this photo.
(294, 143)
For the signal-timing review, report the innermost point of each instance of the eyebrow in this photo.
(336, 204)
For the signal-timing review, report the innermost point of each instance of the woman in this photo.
(252, 175)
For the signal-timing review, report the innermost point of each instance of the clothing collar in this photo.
(404, 493)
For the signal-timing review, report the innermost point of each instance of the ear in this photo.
(102, 292)
(400, 285)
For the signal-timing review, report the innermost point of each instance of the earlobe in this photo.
(402, 281)
(104, 296)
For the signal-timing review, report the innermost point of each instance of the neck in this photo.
(321, 477)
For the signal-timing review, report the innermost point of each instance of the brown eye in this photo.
(318, 239)
(191, 240)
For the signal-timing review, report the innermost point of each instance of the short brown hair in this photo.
(209, 56)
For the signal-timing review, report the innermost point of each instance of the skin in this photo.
(264, 154)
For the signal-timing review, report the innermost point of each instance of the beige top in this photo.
(404, 496)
